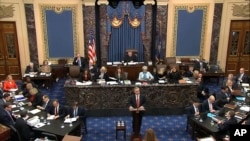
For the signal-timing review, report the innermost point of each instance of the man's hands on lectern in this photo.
(141, 108)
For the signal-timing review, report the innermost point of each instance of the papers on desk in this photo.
(161, 81)
(127, 82)
(46, 74)
(33, 121)
(83, 83)
(137, 83)
(132, 63)
(39, 125)
(112, 83)
(112, 78)
(207, 139)
(35, 111)
(51, 117)
(70, 120)
(245, 108)
(188, 81)
(19, 98)
(109, 63)
(13, 90)
(245, 85)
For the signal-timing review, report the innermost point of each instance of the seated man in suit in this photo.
(145, 75)
(47, 104)
(209, 105)
(224, 97)
(130, 57)
(242, 77)
(82, 62)
(1, 89)
(76, 111)
(195, 109)
(31, 68)
(6, 116)
(6, 98)
(23, 128)
(57, 110)
(225, 125)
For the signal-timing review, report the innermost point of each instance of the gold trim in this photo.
(203, 7)
(191, 9)
(115, 22)
(6, 11)
(58, 9)
(134, 22)
(242, 10)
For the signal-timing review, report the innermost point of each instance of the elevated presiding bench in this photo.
(112, 100)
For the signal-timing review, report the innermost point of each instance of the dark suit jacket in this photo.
(132, 101)
(201, 88)
(82, 78)
(244, 78)
(197, 65)
(5, 117)
(221, 99)
(130, 58)
(174, 77)
(205, 106)
(49, 106)
(224, 127)
(1, 93)
(24, 129)
(28, 69)
(80, 112)
(62, 111)
(2, 102)
(84, 62)
(38, 100)
(191, 111)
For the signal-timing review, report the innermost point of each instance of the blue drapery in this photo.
(125, 36)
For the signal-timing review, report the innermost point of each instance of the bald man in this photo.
(209, 105)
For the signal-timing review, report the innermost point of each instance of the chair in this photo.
(170, 60)
(134, 51)
(50, 136)
(62, 61)
(16, 135)
(74, 71)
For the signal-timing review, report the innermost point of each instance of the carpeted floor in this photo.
(167, 128)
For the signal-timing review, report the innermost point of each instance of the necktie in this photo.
(144, 75)
(75, 112)
(137, 101)
(79, 62)
(56, 112)
(45, 104)
(210, 106)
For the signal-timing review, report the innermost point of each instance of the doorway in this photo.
(9, 53)
(238, 55)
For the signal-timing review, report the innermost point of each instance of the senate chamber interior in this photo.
(137, 70)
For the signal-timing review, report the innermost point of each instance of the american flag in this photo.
(91, 49)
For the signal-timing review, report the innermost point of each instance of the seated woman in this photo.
(174, 75)
(45, 68)
(119, 74)
(103, 74)
(9, 84)
(36, 98)
(145, 75)
(85, 76)
(150, 135)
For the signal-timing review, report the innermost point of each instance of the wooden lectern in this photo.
(136, 114)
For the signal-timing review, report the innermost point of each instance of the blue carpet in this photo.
(167, 128)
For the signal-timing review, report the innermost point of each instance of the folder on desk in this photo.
(19, 98)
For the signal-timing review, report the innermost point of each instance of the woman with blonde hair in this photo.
(9, 84)
(150, 135)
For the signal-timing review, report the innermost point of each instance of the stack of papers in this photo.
(51, 117)
(39, 125)
(245, 108)
(127, 82)
(19, 98)
(112, 83)
(35, 111)
(84, 83)
(70, 120)
(33, 121)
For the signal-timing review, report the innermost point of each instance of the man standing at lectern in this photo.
(136, 106)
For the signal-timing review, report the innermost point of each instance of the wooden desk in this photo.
(106, 100)
(47, 79)
(133, 71)
(4, 133)
(217, 75)
(71, 138)
(59, 71)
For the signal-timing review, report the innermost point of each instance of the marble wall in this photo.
(31, 29)
(216, 33)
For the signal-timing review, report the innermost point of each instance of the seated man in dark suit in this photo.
(47, 104)
(130, 57)
(1, 89)
(195, 109)
(57, 110)
(6, 116)
(224, 97)
(23, 128)
(209, 105)
(78, 112)
(6, 98)
(82, 62)
(31, 68)
(225, 125)
(202, 90)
